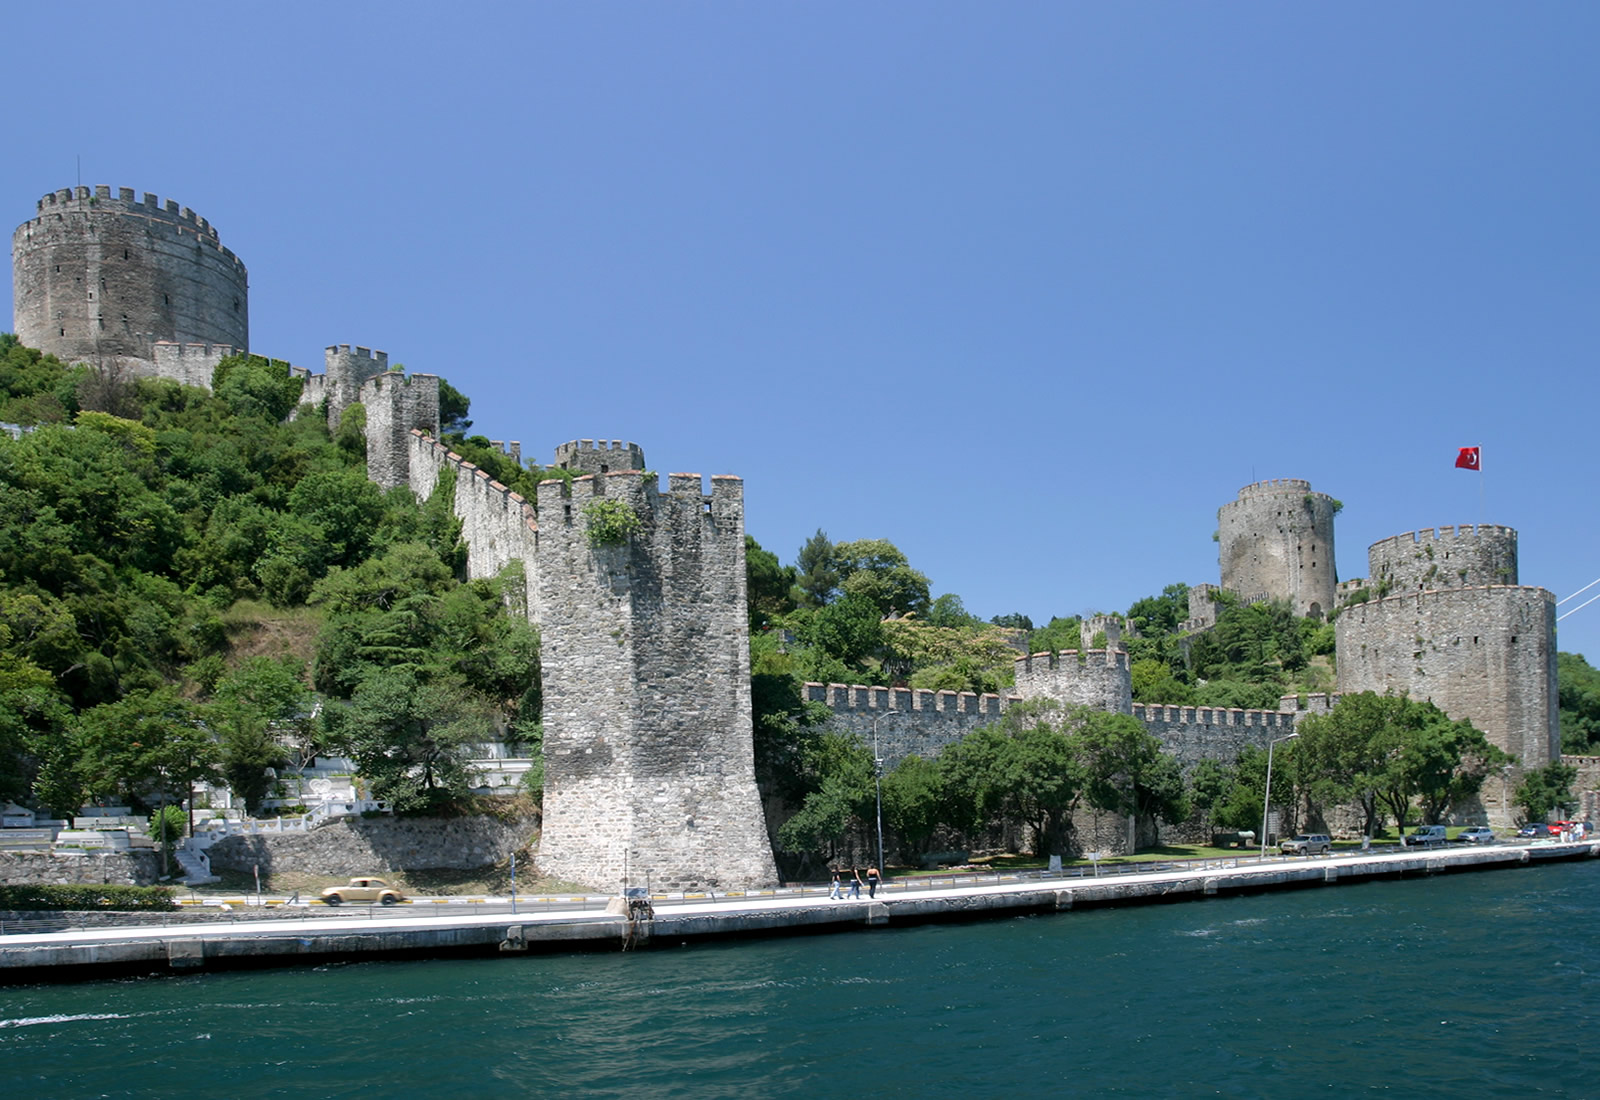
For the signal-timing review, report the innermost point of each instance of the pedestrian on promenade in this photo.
(836, 893)
(872, 882)
(855, 883)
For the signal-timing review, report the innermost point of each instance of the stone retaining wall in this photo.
(139, 867)
(361, 846)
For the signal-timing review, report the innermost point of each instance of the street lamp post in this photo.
(1266, 800)
(877, 780)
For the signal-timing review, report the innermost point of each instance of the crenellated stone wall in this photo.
(396, 406)
(100, 278)
(649, 765)
(1095, 678)
(1447, 557)
(906, 721)
(497, 524)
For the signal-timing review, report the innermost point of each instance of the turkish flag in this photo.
(1468, 459)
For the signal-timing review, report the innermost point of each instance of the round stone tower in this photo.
(1275, 542)
(1447, 557)
(100, 278)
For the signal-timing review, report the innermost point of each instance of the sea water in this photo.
(1470, 985)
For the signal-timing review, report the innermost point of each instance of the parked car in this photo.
(1425, 836)
(368, 890)
(1534, 829)
(1307, 844)
(1476, 834)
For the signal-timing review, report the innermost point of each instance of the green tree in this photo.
(1125, 770)
(259, 705)
(770, 585)
(1580, 704)
(913, 803)
(410, 736)
(1545, 790)
(876, 570)
(1161, 614)
(1023, 770)
(816, 572)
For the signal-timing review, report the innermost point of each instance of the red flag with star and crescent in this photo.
(1469, 459)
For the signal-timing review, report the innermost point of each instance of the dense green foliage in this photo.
(1392, 756)
(1028, 772)
(124, 899)
(144, 525)
(1580, 705)
(1548, 789)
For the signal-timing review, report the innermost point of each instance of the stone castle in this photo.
(645, 658)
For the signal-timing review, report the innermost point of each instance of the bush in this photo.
(125, 899)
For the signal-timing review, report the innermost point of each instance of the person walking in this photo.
(836, 893)
(855, 883)
(872, 882)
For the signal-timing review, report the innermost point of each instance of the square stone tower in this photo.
(649, 761)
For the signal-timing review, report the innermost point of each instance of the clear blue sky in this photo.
(1029, 289)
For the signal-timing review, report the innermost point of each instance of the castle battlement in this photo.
(99, 275)
(845, 699)
(591, 457)
(1152, 713)
(1277, 486)
(1035, 663)
(1483, 653)
(1097, 678)
(513, 451)
(1433, 597)
(98, 200)
(341, 353)
(1470, 555)
(1446, 532)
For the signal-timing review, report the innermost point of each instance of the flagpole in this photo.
(1481, 490)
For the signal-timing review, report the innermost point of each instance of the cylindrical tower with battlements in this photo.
(1275, 542)
(1449, 557)
(1487, 655)
(100, 279)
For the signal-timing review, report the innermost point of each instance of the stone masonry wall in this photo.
(586, 456)
(99, 278)
(369, 845)
(1586, 787)
(138, 867)
(908, 722)
(1484, 654)
(497, 524)
(1193, 734)
(346, 370)
(1275, 542)
(649, 764)
(1096, 678)
(1449, 557)
(397, 405)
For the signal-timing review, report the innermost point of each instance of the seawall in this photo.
(107, 952)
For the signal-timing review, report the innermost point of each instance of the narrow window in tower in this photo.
(124, 253)
(165, 300)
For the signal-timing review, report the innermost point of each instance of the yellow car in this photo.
(368, 890)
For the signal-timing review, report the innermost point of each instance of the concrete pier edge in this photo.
(120, 951)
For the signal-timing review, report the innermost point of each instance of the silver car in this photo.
(1307, 844)
(1476, 834)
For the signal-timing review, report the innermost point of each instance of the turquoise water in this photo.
(1471, 985)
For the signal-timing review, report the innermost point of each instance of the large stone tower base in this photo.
(649, 762)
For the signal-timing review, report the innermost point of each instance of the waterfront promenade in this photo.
(428, 929)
